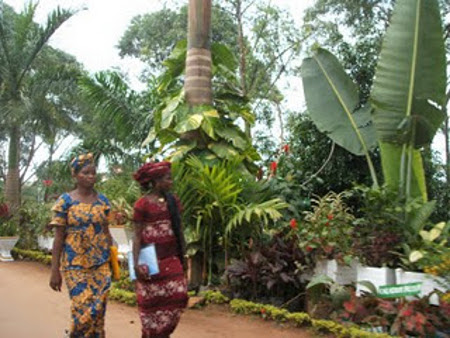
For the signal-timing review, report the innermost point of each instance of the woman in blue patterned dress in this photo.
(81, 250)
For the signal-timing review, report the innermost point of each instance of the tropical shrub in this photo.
(270, 272)
(326, 232)
(378, 231)
(223, 208)
(34, 218)
(7, 227)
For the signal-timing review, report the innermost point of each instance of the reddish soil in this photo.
(29, 308)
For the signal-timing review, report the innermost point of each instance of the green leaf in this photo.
(332, 99)
(418, 218)
(391, 162)
(223, 150)
(150, 138)
(168, 112)
(192, 122)
(411, 74)
(234, 135)
(319, 280)
(369, 286)
(222, 55)
(181, 151)
(208, 127)
(415, 256)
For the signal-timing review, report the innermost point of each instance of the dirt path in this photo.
(29, 308)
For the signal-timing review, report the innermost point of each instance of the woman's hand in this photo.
(56, 281)
(142, 272)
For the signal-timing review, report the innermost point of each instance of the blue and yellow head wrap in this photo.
(81, 161)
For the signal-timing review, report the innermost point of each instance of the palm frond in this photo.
(264, 213)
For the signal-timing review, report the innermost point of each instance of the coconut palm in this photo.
(21, 44)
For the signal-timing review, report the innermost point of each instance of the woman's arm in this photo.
(141, 270)
(136, 242)
(58, 242)
(108, 235)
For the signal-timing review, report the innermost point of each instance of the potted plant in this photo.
(429, 262)
(8, 233)
(326, 236)
(122, 191)
(121, 224)
(377, 235)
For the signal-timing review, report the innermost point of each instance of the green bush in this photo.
(214, 297)
(123, 296)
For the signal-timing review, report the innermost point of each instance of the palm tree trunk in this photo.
(12, 184)
(198, 87)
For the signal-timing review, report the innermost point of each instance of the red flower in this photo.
(4, 210)
(273, 167)
(293, 223)
(263, 311)
(330, 217)
(47, 183)
(286, 148)
(309, 248)
(327, 224)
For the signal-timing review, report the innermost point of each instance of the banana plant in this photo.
(409, 90)
(332, 99)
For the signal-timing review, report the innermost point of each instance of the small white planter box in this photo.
(429, 283)
(121, 236)
(377, 276)
(6, 245)
(340, 273)
(45, 243)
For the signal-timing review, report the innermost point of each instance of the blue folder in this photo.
(147, 256)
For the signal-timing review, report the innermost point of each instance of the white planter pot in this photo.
(429, 283)
(377, 276)
(340, 273)
(120, 236)
(6, 245)
(45, 243)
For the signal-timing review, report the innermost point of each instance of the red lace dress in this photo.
(162, 299)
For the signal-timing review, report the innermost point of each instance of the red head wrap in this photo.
(151, 171)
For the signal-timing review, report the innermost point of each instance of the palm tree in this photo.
(21, 43)
(198, 87)
(120, 119)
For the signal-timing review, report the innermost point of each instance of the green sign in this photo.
(399, 290)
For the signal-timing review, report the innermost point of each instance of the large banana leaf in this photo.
(411, 75)
(391, 163)
(332, 100)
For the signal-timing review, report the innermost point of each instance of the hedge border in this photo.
(237, 306)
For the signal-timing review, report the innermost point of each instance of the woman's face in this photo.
(164, 183)
(87, 176)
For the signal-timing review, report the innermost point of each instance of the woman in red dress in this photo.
(162, 297)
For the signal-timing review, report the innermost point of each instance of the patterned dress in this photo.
(162, 299)
(85, 261)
